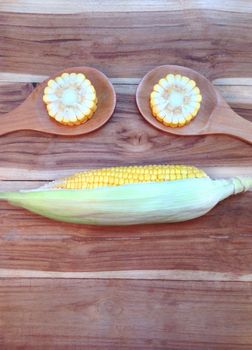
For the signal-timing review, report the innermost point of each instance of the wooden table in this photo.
(177, 286)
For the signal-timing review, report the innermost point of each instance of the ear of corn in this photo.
(175, 100)
(117, 176)
(128, 204)
(70, 99)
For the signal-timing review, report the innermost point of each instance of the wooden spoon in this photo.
(214, 117)
(32, 113)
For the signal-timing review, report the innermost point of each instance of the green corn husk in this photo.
(140, 203)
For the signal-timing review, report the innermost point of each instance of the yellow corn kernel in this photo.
(175, 100)
(70, 99)
(117, 176)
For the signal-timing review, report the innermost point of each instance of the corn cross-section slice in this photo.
(118, 176)
(70, 99)
(175, 100)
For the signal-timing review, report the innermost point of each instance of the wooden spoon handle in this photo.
(9, 124)
(20, 118)
(226, 121)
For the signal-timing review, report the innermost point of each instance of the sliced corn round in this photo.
(70, 99)
(175, 100)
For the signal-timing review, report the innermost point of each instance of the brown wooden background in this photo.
(177, 286)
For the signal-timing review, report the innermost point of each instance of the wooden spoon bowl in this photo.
(214, 117)
(32, 113)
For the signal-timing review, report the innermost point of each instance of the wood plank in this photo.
(236, 91)
(126, 139)
(12, 95)
(52, 157)
(237, 96)
(112, 314)
(31, 242)
(113, 41)
(221, 241)
(8, 77)
(63, 6)
(178, 286)
(170, 275)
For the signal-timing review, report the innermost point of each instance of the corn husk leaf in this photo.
(140, 203)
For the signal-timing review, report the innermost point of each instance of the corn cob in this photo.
(70, 99)
(131, 203)
(118, 176)
(175, 100)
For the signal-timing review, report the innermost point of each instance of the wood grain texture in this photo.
(169, 275)
(109, 314)
(126, 139)
(180, 286)
(211, 37)
(219, 241)
(63, 6)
